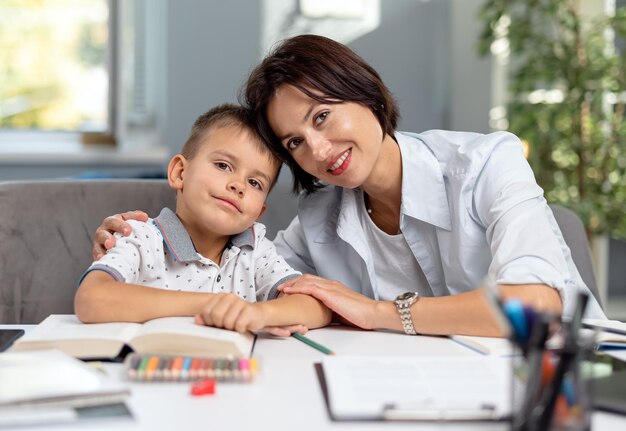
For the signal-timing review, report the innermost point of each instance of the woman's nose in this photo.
(320, 148)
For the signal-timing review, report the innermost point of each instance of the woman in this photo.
(396, 230)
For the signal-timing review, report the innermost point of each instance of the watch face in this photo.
(405, 296)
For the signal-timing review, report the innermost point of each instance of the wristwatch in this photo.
(403, 305)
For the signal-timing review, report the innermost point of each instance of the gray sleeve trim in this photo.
(273, 293)
(112, 272)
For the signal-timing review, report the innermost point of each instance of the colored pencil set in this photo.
(165, 368)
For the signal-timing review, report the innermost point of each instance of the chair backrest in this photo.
(575, 237)
(46, 231)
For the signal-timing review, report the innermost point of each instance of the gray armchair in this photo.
(46, 229)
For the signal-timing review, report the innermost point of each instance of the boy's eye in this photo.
(222, 166)
(293, 144)
(254, 183)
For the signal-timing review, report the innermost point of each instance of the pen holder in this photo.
(549, 391)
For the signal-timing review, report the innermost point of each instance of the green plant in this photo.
(577, 143)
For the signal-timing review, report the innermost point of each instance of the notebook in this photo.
(412, 388)
(51, 379)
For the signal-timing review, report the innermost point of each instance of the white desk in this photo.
(286, 395)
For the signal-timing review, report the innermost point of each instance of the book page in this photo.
(370, 387)
(190, 338)
(186, 325)
(68, 327)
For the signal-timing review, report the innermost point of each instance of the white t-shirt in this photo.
(396, 269)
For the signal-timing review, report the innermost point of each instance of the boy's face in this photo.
(224, 186)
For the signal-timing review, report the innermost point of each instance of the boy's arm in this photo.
(295, 309)
(281, 316)
(100, 298)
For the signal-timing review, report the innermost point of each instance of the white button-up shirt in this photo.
(160, 254)
(470, 207)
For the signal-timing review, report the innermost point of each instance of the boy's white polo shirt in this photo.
(160, 253)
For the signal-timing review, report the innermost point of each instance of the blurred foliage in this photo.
(53, 72)
(577, 143)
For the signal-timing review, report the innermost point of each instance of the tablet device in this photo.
(8, 336)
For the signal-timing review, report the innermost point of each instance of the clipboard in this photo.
(427, 411)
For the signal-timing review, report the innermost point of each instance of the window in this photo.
(56, 66)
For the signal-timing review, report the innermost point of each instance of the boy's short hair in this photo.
(324, 70)
(225, 115)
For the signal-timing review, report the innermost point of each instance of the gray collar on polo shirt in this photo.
(178, 241)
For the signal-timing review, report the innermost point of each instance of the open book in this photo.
(417, 388)
(167, 335)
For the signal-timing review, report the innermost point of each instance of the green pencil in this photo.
(312, 343)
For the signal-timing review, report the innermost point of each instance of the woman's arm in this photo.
(104, 239)
(466, 313)
(100, 298)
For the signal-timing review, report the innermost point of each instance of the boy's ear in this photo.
(262, 211)
(175, 171)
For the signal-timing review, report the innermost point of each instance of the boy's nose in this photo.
(237, 187)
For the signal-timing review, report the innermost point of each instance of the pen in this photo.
(312, 343)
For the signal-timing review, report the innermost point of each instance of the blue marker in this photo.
(569, 391)
(515, 312)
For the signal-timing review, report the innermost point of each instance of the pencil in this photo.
(312, 343)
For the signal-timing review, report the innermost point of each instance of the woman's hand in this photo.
(228, 311)
(355, 308)
(104, 238)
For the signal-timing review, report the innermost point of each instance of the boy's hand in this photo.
(104, 238)
(228, 311)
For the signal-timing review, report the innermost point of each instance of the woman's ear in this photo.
(175, 171)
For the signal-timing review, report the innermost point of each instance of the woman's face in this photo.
(337, 143)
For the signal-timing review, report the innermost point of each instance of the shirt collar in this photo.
(423, 181)
(179, 243)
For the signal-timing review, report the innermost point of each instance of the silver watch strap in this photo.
(404, 309)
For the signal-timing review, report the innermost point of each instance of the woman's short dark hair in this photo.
(324, 70)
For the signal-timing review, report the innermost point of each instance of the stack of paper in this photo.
(610, 334)
(49, 386)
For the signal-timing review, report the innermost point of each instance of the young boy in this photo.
(210, 259)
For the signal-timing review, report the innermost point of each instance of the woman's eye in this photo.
(321, 117)
(255, 184)
(222, 166)
(291, 145)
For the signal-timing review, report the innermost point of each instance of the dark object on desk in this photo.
(609, 393)
(609, 390)
(8, 336)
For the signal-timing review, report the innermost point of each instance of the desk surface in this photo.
(286, 395)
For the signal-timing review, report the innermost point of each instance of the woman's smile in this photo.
(341, 163)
